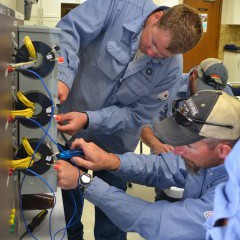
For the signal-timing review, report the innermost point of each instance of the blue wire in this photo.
(46, 132)
(52, 108)
(71, 192)
(20, 201)
(80, 214)
(75, 205)
(37, 123)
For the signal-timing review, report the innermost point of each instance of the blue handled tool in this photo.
(70, 153)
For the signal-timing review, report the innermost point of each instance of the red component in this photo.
(10, 69)
(56, 167)
(58, 118)
(9, 119)
(61, 60)
(10, 172)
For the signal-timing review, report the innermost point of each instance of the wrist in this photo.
(115, 162)
(87, 121)
(84, 180)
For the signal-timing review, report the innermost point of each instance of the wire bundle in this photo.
(29, 45)
(27, 161)
(28, 112)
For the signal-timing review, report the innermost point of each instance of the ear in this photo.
(155, 17)
(223, 150)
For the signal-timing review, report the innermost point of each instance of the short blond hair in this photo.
(185, 26)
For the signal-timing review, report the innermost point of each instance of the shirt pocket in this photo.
(114, 60)
(133, 88)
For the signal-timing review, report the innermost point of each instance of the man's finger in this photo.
(82, 162)
(77, 143)
(66, 129)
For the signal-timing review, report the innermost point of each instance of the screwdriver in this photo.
(35, 222)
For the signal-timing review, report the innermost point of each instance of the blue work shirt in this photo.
(99, 40)
(181, 220)
(227, 202)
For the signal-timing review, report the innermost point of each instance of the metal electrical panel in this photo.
(43, 39)
(9, 214)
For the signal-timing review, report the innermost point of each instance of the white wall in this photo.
(169, 3)
(9, 3)
(17, 5)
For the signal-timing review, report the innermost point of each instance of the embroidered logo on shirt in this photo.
(164, 95)
(208, 214)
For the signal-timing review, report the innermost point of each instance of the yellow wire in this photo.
(28, 112)
(29, 45)
(28, 148)
(25, 101)
(27, 161)
(22, 163)
(30, 63)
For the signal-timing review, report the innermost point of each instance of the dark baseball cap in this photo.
(212, 75)
(208, 113)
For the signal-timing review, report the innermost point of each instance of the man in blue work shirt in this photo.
(203, 132)
(190, 83)
(119, 56)
(225, 222)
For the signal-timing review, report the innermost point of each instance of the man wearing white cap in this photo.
(203, 132)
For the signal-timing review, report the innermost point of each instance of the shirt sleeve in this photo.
(81, 26)
(159, 220)
(163, 171)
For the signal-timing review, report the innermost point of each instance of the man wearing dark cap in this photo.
(211, 74)
(203, 132)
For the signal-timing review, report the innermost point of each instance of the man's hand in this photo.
(162, 148)
(67, 175)
(63, 91)
(75, 122)
(94, 157)
(149, 138)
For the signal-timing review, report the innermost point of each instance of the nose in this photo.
(179, 150)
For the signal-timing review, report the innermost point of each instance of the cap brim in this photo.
(170, 132)
(201, 85)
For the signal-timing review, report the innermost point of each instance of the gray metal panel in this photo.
(8, 184)
(38, 29)
(48, 36)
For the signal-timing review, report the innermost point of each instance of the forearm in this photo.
(151, 220)
(148, 137)
(152, 170)
(122, 209)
